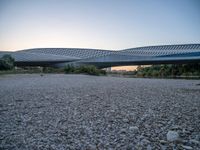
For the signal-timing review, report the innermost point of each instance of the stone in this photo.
(163, 142)
(91, 147)
(163, 147)
(123, 131)
(70, 120)
(172, 136)
(149, 147)
(193, 141)
(145, 141)
(125, 120)
(186, 131)
(112, 110)
(134, 129)
(187, 147)
(176, 127)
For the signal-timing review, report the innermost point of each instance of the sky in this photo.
(101, 24)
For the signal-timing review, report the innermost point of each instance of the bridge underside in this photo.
(60, 57)
(107, 64)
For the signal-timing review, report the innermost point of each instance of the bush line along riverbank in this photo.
(156, 71)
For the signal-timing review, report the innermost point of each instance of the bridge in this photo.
(60, 57)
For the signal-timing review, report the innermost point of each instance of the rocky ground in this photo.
(61, 112)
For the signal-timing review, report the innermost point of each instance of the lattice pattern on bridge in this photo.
(161, 50)
(73, 52)
(22, 56)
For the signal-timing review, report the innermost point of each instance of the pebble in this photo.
(62, 111)
(194, 141)
(134, 129)
(125, 120)
(145, 142)
(176, 127)
(122, 131)
(187, 147)
(149, 147)
(172, 136)
(163, 142)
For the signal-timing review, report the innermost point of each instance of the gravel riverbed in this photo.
(58, 112)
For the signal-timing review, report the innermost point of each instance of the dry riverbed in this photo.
(58, 111)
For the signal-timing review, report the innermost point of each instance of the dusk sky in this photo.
(102, 24)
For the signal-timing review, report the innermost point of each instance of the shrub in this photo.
(69, 69)
(155, 73)
(170, 70)
(91, 70)
(6, 62)
(140, 74)
(52, 70)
